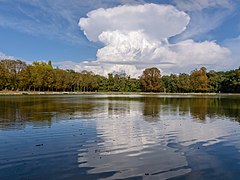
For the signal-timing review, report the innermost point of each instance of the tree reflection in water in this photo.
(15, 111)
(123, 136)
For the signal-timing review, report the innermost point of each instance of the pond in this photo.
(119, 137)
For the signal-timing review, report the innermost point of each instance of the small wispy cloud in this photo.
(206, 15)
(4, 56)
(233, 45)
(52, 19)
(66, 65)
(193, 5)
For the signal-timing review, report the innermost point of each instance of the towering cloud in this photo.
(156, 21)
(136, 37)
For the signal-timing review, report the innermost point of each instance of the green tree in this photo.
(25, 79)
(60, 81)
(184, 83)
(102, 83)
(41, 76)
(4, 76)
(171, 83)
(215, 80)
(151, 80)
(89, 81)
(9, 72)
(199, 80)
(231, 81)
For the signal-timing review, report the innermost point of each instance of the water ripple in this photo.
(120, 137)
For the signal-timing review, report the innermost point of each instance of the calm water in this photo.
(119, 137)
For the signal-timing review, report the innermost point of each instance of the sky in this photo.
(123, 36)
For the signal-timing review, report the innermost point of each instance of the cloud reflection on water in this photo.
(123, 136)
(146, 137)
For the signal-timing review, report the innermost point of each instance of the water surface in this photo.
(119, 137)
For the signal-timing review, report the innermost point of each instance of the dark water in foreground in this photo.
(119, 137)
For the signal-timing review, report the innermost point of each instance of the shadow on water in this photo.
(216, 161)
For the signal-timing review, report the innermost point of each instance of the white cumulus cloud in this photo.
(136, 37)
(157, 21)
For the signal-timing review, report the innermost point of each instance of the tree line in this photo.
(42, 76)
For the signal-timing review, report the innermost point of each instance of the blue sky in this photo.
(49, 30)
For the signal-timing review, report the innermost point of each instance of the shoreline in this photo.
(9, 93)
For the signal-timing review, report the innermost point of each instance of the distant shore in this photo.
(107, 93)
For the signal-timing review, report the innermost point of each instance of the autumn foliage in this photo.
(42, 76)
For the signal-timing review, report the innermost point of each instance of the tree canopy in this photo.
(151, 80)
(42, 76)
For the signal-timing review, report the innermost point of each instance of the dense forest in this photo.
(42, 76)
